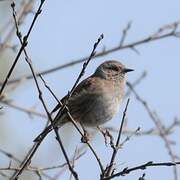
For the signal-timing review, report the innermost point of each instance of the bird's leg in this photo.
(106, 134)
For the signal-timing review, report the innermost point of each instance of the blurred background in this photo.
(64, 32)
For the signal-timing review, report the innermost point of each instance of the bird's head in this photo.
(112, 70)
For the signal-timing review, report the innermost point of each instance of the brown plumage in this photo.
(96, 99)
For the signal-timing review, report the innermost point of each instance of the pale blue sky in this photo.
(67, 30)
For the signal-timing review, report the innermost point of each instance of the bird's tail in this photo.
(57, 122)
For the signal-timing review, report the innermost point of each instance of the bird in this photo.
(95, 100)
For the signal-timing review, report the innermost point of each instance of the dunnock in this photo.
(96, 99)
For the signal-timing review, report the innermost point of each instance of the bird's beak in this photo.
(127, 70)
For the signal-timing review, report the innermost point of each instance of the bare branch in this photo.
(109, 169)
(64, 107)
(127, 170)
(23, 45)
(161, 33)
(29, 111)
(158, 125)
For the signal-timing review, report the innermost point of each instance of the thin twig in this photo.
(11, 156)
(34, 148)
(124, 33)
(158, 125)
(116, 147)
(150, 38)
(23, 44)
(24, 9)
(136, 82)
(127, 170)
(36, 145)
(29, 111)
(64, 107)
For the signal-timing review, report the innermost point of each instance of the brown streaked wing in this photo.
(89, 83)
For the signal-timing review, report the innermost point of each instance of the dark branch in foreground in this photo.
(23, 44)
(127, 170)
(64, 107)
(30, 154)
(32, 151)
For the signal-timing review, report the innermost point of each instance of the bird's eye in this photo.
(114, 68)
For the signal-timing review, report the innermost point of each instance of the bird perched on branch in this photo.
(95, 100)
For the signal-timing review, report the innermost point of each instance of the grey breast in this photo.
(92, 109)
